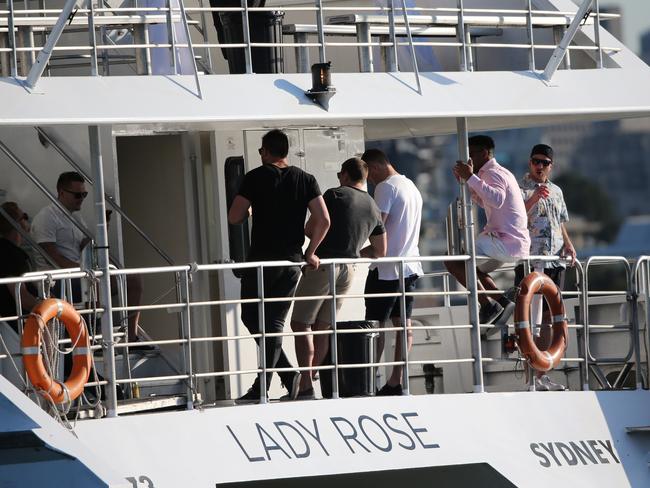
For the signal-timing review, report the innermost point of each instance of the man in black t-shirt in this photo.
(354, 218)
(279, 196)
(14, 262)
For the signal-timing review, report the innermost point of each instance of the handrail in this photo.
(17, 19)
(109, 198)
(187, 338)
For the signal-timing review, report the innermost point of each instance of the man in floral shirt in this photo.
(547, 214)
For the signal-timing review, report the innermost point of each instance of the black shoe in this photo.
(488, 314)
(388, 390)
(292, 384)
(302, 395)
(507, 310)
(251, 396)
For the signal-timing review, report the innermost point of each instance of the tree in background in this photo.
(587, 198)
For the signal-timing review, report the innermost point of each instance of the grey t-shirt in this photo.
(354, 217)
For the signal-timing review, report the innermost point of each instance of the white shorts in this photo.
(492, 247)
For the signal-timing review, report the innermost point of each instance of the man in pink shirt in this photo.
(505, 237)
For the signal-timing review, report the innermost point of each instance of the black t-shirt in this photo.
(354, 217)
(13, 262)
(279, 199)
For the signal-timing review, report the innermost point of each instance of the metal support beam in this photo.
(391, 52)
(108, 343)
(558, 54)
(45, 54)
(365, 52)
(470, 265)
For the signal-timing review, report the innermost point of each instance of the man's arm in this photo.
(239, 210)
(377, 247)
(320, 223)
(568, 249)
(61, 261)
(492, 192)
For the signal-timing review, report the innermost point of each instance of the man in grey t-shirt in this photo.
(354, 218)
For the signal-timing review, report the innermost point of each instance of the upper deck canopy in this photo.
(388, 102)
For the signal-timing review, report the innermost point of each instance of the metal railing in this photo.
(137, 19)
(637, 287)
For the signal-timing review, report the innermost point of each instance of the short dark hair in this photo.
(375, 156)
(12, 209)
(276, 143)
(482, 142)
(542, 149)
(356, 169)
(67, 178)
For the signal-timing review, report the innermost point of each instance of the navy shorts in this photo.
(383, 308)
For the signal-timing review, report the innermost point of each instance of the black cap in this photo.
(542, 149)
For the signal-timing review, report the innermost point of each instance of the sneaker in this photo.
(506, 313)
(292, 385)
(251, 396)
(302, 395)
(388, 390)
(547, 385)
(489, 313)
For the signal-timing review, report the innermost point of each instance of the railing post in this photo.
(11, 35)
(365, 52)
(391, 52)
(406, 389)
(108, 344)
(247, 37)
(261, 319)
(531, 39)
(470, 265)
(599, 53)
(333, 338)
(322, 51)
(186, 326)
(460, 35)
(92, 38)
(171, 35)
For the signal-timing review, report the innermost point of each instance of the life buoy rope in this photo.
(57, 391)
(540, 360)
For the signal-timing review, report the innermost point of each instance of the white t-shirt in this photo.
(51, 225)
(398, 197)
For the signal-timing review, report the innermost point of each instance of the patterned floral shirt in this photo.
(545, 219)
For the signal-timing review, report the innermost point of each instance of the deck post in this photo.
(470, 265)
(44, 55)
(562, 49)
(108, 343)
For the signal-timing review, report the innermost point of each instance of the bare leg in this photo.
(457, 269)
(321, 343)
(134, 299)
(304, 353)
(396, 375)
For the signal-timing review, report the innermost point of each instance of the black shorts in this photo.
(382, 308)
(556, 274)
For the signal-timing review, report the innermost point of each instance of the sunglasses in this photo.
(545, 162)
(77, 194)
(24, 217)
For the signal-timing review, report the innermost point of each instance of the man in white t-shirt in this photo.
(63, 241)
(400, 204)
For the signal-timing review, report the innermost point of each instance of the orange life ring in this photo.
(540, 360)
(30, 343)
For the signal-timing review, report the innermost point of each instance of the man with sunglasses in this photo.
(277, 196)
(547, 214)
(63, 242)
